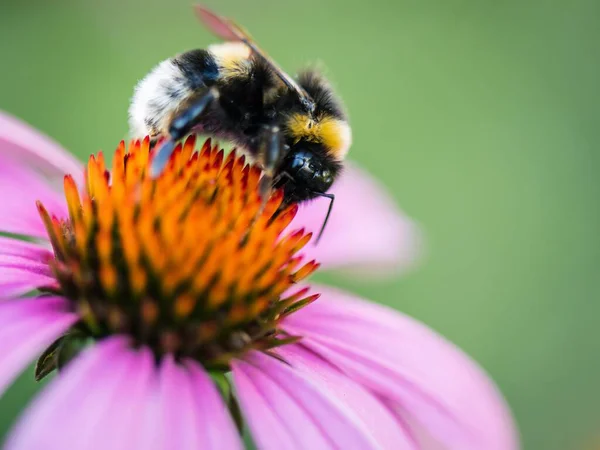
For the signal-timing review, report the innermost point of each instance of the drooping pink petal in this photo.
(26, 327)
(18, 281)
(410, 366)
(186, 422)
(425, 440)
(365, 228)
(178, 408)
(98, 405)
(379, 420)
(24, 264)
(263, 416)
(91, 403)
(215, 423)
(130, 421)
(21, 188)
(27, 250)
(31, 148)
(289, 409)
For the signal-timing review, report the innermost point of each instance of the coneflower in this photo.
(176, 313)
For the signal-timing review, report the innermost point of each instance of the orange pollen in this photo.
(188, 263)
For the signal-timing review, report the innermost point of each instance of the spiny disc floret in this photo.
(187, 263)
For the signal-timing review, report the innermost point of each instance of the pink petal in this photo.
(262, 413)
(215, 423)
(133, 422)
(23, 267)
(187, 419)
(24, 264)
(365, 228)
(26, 328)
(21, 188)
(28, 250)
(385, 428)
(421, 435)
(409, 366)
(178, 408)
(18, 281)
(31, 148)
(289, 409)
(89, 401)
(92, 414)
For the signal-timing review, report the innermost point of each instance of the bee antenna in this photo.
(331, 198)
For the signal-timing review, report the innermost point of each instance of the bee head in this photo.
(308, 173)
(308, 170)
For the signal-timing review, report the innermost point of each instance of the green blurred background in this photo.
(481, 117)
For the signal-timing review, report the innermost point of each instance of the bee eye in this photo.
(312, 167)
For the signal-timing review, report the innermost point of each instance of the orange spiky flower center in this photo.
(185, 263)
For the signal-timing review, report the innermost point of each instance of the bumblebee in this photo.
(296, 129)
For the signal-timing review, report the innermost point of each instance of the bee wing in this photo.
(220, 26)
(230, 31)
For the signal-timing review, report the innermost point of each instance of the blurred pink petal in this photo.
(27, 265)
(26, 327)
(366, 228)
(378, 419)
(27, 250)
(21, 188)
(410, 366)
(18, 281)
(215, 423)
(266, 409)
(178, 408)
(186, 420)
(31, 148)
(92, 416)
(420, 434)
(126, 424)
(288, 409)
(82, 391)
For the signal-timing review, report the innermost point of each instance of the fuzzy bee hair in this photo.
(175, 82)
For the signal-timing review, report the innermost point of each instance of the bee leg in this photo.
(181, 125)
(269, 155)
